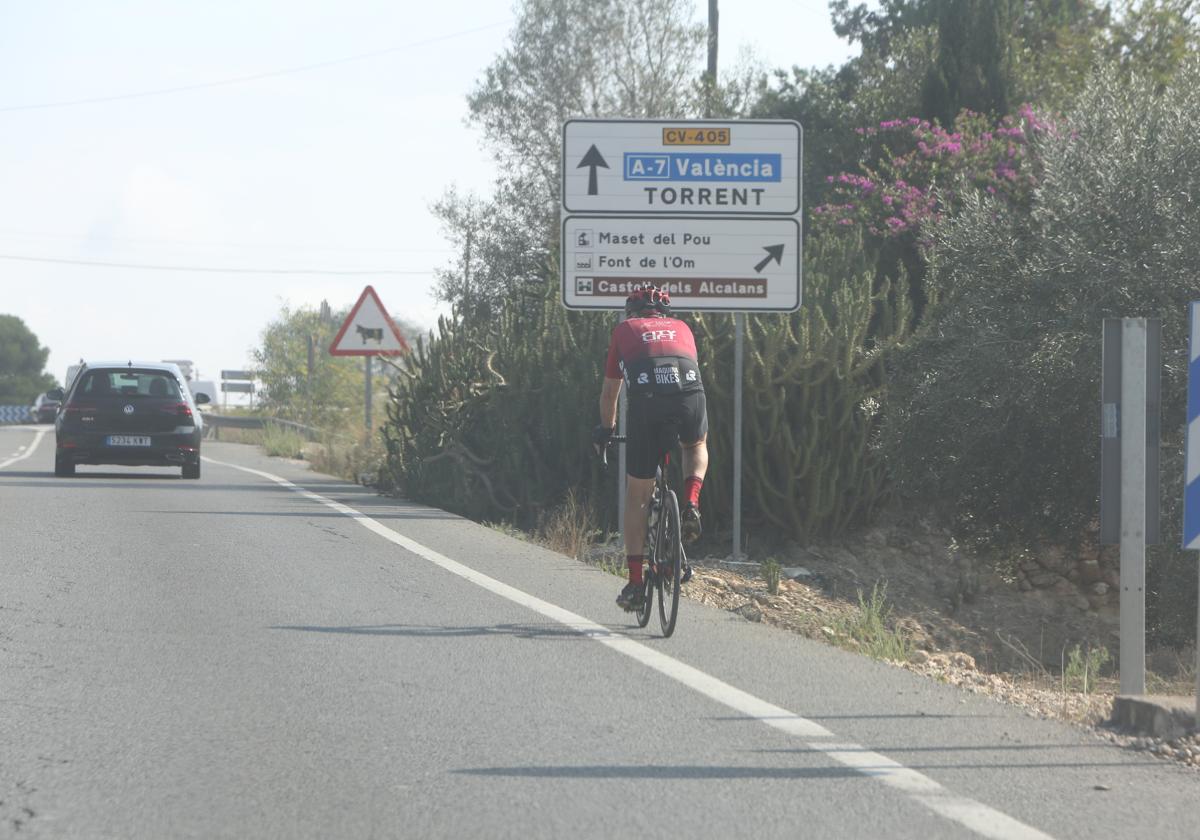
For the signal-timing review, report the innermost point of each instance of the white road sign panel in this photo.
(681, 167)
(368, 330)
(723, 264)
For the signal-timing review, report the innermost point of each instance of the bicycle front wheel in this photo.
(670, 564)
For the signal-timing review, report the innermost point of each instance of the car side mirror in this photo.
(202, 399)
(55, 394)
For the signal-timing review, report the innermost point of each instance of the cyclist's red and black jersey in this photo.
(655, 356)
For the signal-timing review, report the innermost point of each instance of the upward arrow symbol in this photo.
(592, 159)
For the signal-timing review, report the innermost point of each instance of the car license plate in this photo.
(128, 440)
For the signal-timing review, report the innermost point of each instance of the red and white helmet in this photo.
(649, 298)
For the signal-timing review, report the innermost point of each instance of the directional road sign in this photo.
(709, 210)
(368, 330)
(720, 264)
(674, 167)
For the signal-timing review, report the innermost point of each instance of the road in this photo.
(269, 652)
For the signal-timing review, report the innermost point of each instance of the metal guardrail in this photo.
(213, 423)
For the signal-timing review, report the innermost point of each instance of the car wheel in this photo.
(191, 470)
(63, 468)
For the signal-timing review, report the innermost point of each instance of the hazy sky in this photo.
(333, 169)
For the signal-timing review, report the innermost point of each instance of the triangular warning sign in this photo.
(368, 330)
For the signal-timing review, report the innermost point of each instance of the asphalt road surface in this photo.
(268, 652)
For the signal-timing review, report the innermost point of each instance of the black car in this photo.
(133, 414)
(44, 409)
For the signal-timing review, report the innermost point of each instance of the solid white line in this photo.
(37, 438)
(980, 818)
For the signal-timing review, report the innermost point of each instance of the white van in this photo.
(204, 386)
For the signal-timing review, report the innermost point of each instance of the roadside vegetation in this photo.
(984, 183)
(22, 363)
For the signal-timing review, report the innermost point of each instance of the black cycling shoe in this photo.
(632, 597)
(686, 573)
(690, 523)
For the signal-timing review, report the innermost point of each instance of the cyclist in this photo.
(654, 355)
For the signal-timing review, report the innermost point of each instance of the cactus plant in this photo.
(492, 414)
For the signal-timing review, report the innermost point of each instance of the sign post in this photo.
(368, 331)
(1129, 473)
(708, 210)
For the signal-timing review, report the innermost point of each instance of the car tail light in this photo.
(181, 409)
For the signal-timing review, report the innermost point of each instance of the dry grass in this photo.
(356, 460)
(569, 528)
(279, 442)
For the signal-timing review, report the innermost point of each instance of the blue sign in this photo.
(15, 414)
(1191, 491)
(702, 166)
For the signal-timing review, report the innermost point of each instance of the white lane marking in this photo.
(982, 819)
(37, 438)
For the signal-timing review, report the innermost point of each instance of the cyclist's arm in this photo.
(608, 402)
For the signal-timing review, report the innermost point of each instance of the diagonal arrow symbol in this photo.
(774, 252)
(592, 159)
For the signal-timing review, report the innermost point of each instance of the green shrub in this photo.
(282, 442)
(1082, 668)
(994, 407)
(868, 627)
(771, 571)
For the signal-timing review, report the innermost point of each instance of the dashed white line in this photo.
(37, 438)
(979, 818)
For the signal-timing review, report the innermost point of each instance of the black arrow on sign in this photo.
(592, 159)
(774, 252)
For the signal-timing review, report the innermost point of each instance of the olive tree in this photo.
(565, 58)
(994, 407)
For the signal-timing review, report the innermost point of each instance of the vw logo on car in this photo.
(129, 409)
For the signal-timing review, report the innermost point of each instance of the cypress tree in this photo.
(972, 61)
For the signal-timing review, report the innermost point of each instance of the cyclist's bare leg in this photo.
(637, 499)
(695, 458)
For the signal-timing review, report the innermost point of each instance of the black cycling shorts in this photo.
(653, 425)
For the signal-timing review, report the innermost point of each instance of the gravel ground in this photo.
(808, 610)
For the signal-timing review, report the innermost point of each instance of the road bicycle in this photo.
(665, 559)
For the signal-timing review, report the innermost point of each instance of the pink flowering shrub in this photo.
(919, 168)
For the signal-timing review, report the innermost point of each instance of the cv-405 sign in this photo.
(709, 210)
(746, 167)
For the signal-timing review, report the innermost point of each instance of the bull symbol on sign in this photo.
(374, 333)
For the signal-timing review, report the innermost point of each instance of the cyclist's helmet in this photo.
(648, 298)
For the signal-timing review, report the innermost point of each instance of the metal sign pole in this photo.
(1133, 507)
(308, 380)
(739, 327)
(367, 378)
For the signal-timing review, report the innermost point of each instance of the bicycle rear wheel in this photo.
(670, 564)
(647, 608)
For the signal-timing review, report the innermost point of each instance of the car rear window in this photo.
(129, 383)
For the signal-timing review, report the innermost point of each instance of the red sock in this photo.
(691, 489)
(634, 561)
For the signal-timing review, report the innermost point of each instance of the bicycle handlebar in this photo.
(604, 449)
